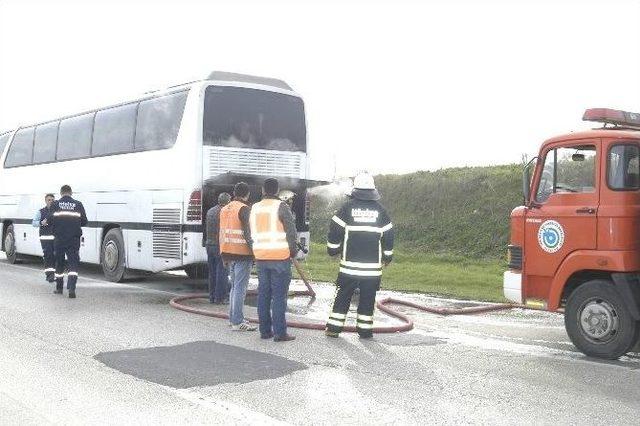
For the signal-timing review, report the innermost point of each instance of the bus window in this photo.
(21, 149)
(74, 137)
(44, 146)
(250, 118)
(159, 122)
(113, 130)
(3, 141)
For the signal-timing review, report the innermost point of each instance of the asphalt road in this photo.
(120, 354)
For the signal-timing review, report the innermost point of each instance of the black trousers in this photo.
(71, 250)
(49, 257)
(346, 286)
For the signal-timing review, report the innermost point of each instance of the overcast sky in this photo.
(390, 86)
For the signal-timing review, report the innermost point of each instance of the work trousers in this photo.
(218, 276)
(70, 249)
(49, 259)
(346, 286)
(239, 271)
(274, 277)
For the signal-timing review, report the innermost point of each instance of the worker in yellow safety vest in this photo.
(274, 237)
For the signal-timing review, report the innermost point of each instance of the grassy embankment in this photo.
(452, 228)
(445, 275)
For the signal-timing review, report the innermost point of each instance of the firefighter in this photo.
(275, 243)
(43, 220)
(235, 249)
(360, 232)
(68, 219)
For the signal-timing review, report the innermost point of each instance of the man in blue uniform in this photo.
(68, 219)
(43, 221)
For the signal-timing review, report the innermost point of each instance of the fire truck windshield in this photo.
(567, 169)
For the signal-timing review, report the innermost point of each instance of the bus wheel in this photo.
(598, 321)
(10, 245)
(198, 271)
(112, 256)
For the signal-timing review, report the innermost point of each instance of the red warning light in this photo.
(612, 116)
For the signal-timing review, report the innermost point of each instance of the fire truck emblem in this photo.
(551, 236)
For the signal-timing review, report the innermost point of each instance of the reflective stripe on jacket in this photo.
(267, 231)
(362, 233)
(232, 240)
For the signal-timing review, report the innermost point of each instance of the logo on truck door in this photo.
(551, 236)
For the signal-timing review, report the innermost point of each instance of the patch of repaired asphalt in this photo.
(204, 363)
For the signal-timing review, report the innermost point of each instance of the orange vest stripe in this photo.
(267, 231)
(232, 239)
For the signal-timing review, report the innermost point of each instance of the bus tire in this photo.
(112, 256)
(198, 271)
(598, 322)
(10, 245)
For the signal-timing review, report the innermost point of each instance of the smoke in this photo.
(335, 191)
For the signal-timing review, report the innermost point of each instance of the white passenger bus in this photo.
(148, 169)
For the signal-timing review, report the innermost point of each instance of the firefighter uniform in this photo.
(68, 219)
(360, 232)
(46, 240)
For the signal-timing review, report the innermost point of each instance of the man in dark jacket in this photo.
(360, 232)
(43, 220)
(218, 274)
(68, 219)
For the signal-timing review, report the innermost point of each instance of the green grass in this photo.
(441, 274)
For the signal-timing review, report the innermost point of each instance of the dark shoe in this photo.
(285, 338)
(331, 333)
(266, 336)
(57, 291)
(366, 336)
(72, 295)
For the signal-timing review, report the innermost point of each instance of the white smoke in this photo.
(334, 191)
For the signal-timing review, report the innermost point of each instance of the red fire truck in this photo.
(575, 244)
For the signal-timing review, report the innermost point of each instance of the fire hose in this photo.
(382, 305)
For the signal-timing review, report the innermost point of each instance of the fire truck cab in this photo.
(575, 243)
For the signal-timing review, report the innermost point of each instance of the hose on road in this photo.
(382, 305)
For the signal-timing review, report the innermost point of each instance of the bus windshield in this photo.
(250, 118)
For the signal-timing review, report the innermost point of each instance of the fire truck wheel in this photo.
(598, 321)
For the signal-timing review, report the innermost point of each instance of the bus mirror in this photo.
(577, 157)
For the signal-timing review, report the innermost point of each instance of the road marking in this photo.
(231, 412)
(103, 282)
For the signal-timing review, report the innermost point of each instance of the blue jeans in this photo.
(239, 271)
(274, 278)
(218, 276)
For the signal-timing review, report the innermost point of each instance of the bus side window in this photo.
(74, 137)
(21, 149)
(44, 146)
(159, 122)
(3, 141)
(114, 129)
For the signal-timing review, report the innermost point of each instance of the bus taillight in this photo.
(194, 210)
